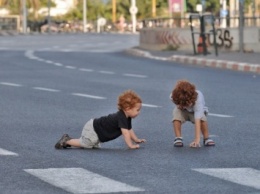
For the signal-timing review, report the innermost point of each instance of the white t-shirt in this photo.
(199, 107)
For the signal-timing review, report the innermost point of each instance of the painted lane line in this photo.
(150, 105)
(10, 84)
(70, 67)
(46, 89)
(243, 176)
(58, 64)
(29, 54)
(135, 75)
(39, 59)
(89, 96)
(107, 72)
(49, 62)
(219, 115)
(66, 50)
(81, 181)
(87, 70)
(7, 153)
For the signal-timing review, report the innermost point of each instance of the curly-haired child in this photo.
(107, 128)
(190, 106)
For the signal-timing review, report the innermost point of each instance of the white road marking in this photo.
(58, 64)
(7, 153)
(10, 84)
(29, 54)
(70, 67)
(220, 115)
(47, 61)
(89, 96)
(107, 72)
(79, 180)
(46, 89)
(243, 176)
(66, 50)
(135, 75)
(88, 70)
(150, 105)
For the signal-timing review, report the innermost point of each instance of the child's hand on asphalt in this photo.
(194, 144)
(141, 141)
(136, 146)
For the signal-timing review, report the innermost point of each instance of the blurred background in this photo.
(43, 16)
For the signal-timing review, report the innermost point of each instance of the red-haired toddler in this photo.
(107, 128)
(190, 106)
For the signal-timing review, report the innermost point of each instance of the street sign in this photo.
(133, 10)
(102, 21)
(199, 8)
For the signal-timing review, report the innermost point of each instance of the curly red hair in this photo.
(128, 99)
(184, 93)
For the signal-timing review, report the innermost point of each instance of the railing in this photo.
(10, 23)
(232, 22)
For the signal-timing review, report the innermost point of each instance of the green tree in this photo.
(144, 8)
(95, 9)
(191, 4)
(211, 5)
(15, 6)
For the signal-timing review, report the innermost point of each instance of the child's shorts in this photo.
(89, 138)
(184, 115)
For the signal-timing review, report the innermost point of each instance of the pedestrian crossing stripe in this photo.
(7, 153)
(79, 180)
(244, 176)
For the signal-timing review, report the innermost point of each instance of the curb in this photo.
(214, 63)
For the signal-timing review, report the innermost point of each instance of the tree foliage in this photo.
(101, 8)
(15, 6)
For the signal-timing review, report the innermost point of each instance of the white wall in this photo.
(161, 38)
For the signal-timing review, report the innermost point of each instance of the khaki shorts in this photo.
(184, 115)
(89, 138)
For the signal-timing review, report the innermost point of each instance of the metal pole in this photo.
(154, 8)
(113, 11)
(192, 36)
(253, 9)
(203, 2)
(49, 17)
(241, 26)
(24, 17)
(224, 20)
(133, 16)
(84, 16)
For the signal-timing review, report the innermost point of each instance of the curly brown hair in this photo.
(128, 99)
(184, 93)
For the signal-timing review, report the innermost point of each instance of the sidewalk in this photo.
(246, 62)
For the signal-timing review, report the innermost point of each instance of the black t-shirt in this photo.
(109, 127)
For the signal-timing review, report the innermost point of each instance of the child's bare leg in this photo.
(204, 129)
(205, 132)
(177, 128)
(74, 142)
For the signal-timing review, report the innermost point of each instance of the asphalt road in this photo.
(50, 85)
